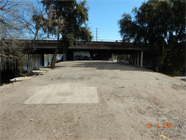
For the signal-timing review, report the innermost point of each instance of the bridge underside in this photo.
(97, 50)
(135, 57)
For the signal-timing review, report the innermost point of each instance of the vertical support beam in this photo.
(43, 59)
(112, 56)
(130, 60)
(64, 56)
(141, 63)
(134, 58)
(137, 58)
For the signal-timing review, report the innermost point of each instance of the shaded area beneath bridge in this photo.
(107, 65)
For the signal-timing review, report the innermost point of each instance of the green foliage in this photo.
(73, 17)
(160, 25)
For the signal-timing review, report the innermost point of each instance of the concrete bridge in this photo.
(113, 50)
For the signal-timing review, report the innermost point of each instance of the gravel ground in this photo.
(128, 98)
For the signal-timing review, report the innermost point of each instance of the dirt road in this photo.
(93, 100)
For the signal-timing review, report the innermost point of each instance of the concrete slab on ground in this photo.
(64, 93)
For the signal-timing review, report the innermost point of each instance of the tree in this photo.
(73, 25)
(10, 28)
(20, 26)
(161, 26)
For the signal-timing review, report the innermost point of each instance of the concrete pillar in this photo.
(134, 58)
(130, 61)
(112, 56)
(43, 59)
(65, 56)
(141, 63)
(137, 58)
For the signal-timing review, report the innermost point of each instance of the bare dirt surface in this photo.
(93, 100)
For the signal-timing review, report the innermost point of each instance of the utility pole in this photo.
(96, 34)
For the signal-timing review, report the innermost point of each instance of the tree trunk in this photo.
(53, 62)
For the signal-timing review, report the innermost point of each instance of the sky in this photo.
(105, 14)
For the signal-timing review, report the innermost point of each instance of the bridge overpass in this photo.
(110, 49)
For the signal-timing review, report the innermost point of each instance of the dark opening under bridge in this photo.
(135, 52)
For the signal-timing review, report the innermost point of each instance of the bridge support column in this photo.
(134, 58)
(113, 57)
(65, 56)
(130, 61)
(137, 58)
(141, 63)
(43, 59)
